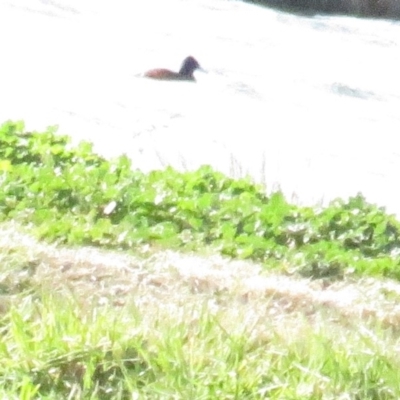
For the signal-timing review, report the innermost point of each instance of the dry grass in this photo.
(158, 281)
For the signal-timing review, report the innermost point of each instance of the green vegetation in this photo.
(164, 337)
(71, 195)
(51, 354)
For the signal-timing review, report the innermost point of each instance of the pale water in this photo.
(309, 104)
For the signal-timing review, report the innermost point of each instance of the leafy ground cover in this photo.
(71, 195)
(137, 315)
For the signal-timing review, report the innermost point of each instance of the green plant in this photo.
(71, 195)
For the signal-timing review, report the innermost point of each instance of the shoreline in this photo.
(381, 9)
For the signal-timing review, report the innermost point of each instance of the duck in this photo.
(189, 65)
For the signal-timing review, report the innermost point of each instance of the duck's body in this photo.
(189, 65)
(167, 75)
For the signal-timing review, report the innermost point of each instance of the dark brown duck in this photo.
(189, 65)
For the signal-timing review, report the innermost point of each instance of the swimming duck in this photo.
(189, 65)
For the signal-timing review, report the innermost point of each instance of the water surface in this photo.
(310, 104)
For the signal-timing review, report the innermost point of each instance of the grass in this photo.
(191, 355)
(57, 350)
(116, 284)
(91, 324)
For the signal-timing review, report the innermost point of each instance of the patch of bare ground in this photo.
(162, 282)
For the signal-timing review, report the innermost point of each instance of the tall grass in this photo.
(53, 349)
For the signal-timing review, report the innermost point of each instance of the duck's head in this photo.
(189, 65)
